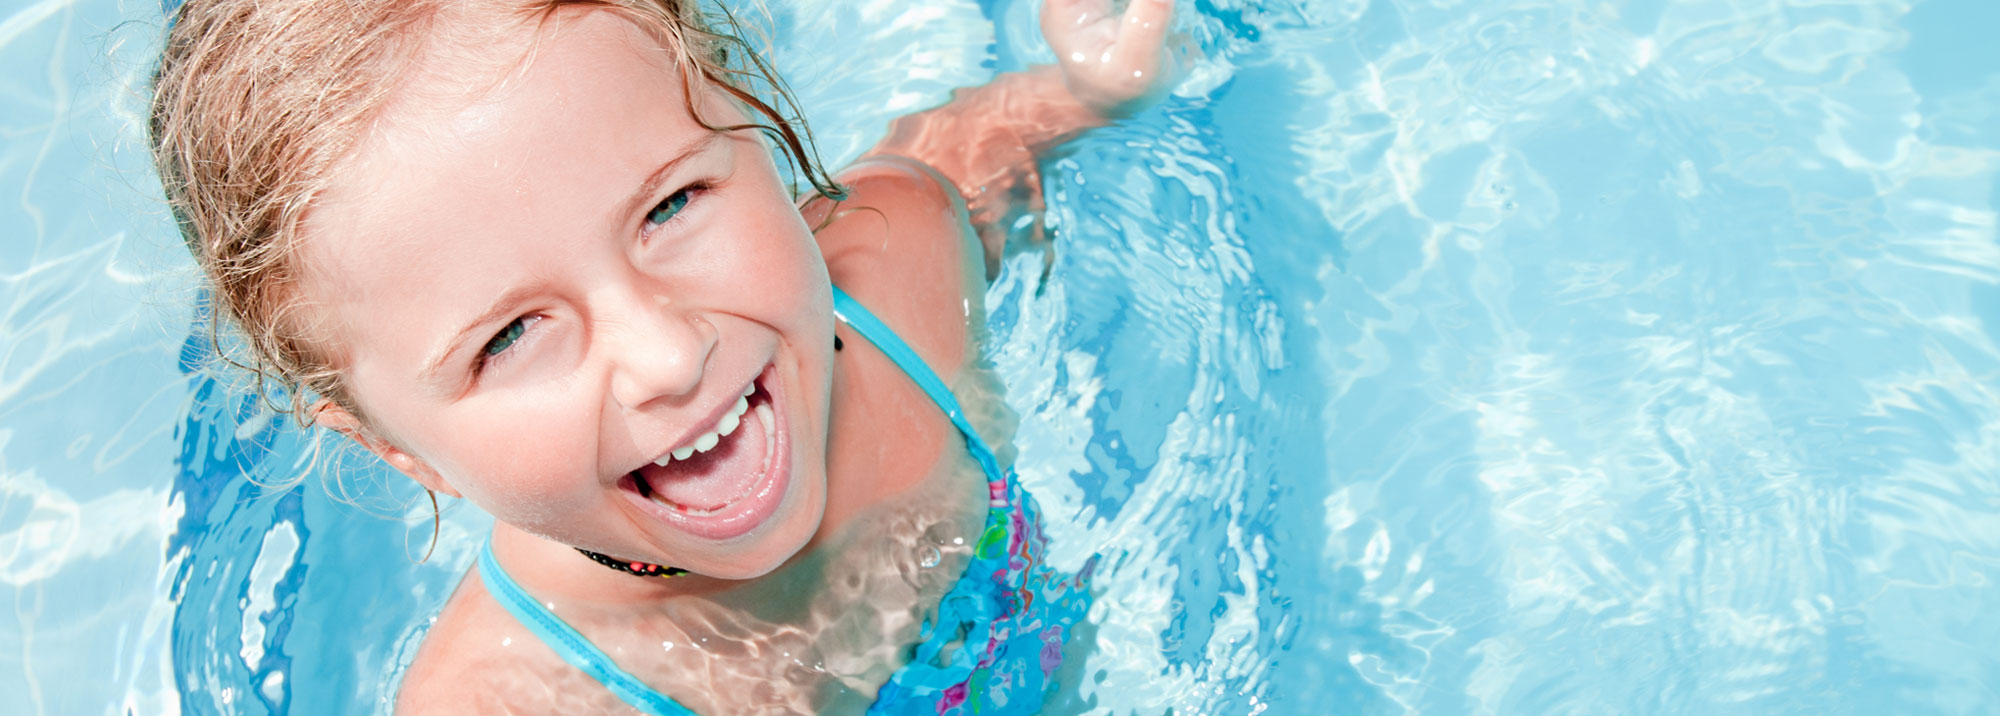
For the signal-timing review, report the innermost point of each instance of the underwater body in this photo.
(1513, 357)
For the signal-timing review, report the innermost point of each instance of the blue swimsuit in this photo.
(998, 634)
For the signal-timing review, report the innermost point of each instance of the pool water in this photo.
(1512, 357)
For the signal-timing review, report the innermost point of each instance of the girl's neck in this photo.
(557, 573)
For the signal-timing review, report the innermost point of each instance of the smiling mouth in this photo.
(724, 481)
(731, 420)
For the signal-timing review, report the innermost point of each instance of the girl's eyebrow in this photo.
(505, 303)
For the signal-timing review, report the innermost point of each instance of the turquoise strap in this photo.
(899, 352)
(573, 648)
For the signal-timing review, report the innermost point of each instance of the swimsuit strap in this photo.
(569, 644)
(891, 345)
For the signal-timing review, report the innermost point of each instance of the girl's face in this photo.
(545, 277)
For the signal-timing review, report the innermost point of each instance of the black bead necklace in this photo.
(637, 569)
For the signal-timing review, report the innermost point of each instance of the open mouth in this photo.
(724, 481)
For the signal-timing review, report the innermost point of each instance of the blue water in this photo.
(1511, 357)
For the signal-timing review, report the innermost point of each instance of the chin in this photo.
(789, 536)
(763, 561)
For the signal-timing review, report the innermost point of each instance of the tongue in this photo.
(714, 479)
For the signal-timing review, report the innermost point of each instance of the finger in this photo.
(1141, 34)
(1061, 18)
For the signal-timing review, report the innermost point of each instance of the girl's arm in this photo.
(986, 139)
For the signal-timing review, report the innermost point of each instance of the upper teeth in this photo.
(707, 441)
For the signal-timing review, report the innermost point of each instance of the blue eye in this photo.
(497, 346)
(506, 337)
(667, 209)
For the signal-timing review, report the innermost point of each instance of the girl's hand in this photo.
(1114, 64)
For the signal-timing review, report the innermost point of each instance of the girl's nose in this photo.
(658, 351)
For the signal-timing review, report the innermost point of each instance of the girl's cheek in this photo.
(539, 415)
(537, 465)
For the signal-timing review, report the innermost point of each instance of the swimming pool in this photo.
(1504, 357)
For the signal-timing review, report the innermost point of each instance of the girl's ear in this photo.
(336, 417)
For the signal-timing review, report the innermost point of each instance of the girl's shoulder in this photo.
(902, 245)
(476, 658)
(457, 650)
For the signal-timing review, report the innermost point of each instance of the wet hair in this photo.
(256, 103)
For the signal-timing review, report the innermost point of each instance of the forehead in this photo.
(536, 133)
(469, 63)
(522, 82)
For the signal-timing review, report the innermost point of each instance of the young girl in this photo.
(540, 255)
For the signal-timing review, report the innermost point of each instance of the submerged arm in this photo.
(986, 140)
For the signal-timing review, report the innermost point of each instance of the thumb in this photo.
(1141, 35)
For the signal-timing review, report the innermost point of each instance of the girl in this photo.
(539, 255)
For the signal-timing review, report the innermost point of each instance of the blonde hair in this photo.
(256, 102)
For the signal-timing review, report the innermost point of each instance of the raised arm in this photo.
(986, 139)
